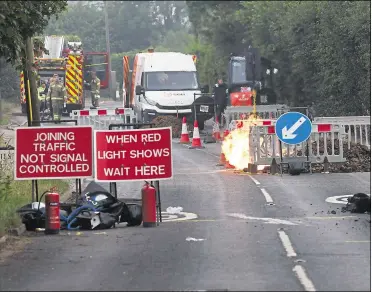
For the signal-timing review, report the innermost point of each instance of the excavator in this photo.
(246, 83)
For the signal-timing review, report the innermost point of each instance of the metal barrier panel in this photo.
(100, 119)
(263, 112)
(357, 128)
(321, 144)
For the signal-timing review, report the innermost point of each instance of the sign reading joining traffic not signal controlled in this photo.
(130, 155)
(53, 153)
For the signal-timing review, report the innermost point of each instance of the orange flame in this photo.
(235, 146)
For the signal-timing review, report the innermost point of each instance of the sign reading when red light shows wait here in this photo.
(130, 155)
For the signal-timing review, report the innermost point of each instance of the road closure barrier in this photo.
(262, 111)
(357, 128)
(100, 119)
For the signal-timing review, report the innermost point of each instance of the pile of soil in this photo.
(358, 157)
(169, 121)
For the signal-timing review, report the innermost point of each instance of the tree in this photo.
(22, 19)
(321, 48)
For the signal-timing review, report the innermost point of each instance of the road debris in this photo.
(169, 121)
(358, 157)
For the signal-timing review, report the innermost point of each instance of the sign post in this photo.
(133, 155)
(53, 153)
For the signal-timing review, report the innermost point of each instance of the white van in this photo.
(163, 83)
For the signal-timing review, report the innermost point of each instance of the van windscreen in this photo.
(161, 81)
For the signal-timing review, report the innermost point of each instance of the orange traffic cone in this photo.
(222, 161)
(196, 143)
(216, 131)
(184, 134)
(228, 165)
(225, 134)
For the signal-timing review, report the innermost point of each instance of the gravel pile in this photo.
(169, 121)
(358, 157)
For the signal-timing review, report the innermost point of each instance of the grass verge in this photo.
(15, 194)
(6, 108)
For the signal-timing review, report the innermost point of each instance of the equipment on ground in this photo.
(94, 210)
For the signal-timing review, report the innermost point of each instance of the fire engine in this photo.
(73, 66)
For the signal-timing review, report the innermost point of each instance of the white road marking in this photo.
(194, 239)
(287, 244)
(304, 279)
(254, 180)
(266, 220)
(166, 217)
(174, 210)
(267, 196)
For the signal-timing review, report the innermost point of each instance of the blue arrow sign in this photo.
(293, 128)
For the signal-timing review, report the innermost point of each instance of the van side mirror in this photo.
(140, 90)
(205, 89)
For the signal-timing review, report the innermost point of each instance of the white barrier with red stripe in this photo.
(100, 119)
(357, 128)
(267, 145)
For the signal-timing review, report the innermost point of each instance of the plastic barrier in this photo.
(357, 128)
(100, 119)
(267, 146)
(262, 111)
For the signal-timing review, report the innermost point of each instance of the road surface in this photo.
(252, 233)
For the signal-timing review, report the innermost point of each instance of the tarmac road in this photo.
(238, 242)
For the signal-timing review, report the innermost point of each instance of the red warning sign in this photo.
(53, 153)
(130, 155)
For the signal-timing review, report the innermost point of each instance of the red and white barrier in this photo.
(100, 112)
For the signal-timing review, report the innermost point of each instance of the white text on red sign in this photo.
(53, 152)
(133, 154)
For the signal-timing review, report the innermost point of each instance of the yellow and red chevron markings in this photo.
(23, 96)
(74, 78)
(126, 72)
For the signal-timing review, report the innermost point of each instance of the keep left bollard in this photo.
(148, 206)
(52, 219)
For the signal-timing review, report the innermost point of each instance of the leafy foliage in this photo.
(22, 19)
(321, 48)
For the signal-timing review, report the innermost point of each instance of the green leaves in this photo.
(321, 48)
(22, 19)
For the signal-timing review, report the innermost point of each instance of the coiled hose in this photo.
(71, 219)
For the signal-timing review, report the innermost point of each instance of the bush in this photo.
(15, 194)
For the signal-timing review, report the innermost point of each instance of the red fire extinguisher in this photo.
(148, 205)
(52, 219)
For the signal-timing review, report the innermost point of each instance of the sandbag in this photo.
(107, 221)
(132, 214)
